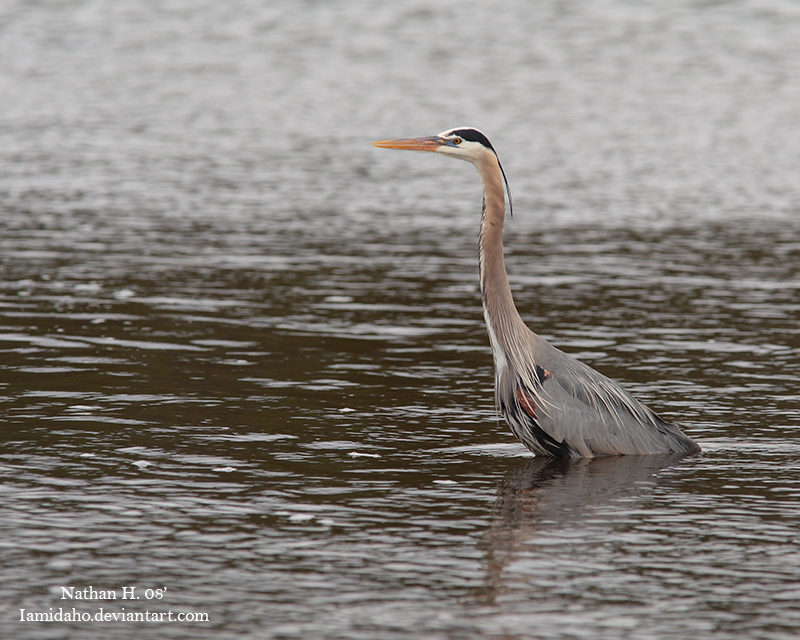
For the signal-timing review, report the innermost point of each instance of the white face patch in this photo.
(473, 152)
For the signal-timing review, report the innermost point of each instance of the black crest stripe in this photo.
(473, 135)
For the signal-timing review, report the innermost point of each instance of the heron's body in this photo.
(554, 404)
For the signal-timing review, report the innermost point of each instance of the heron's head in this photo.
(464, 143)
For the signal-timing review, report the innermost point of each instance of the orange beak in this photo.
(430, 143)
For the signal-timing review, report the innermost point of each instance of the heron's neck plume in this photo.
(498, 304)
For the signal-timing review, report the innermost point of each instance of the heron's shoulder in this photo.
(587, 385)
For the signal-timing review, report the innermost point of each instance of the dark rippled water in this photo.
(242, 355)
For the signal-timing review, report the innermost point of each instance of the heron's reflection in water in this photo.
(546, 504)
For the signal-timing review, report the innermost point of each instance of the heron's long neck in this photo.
(502, 318)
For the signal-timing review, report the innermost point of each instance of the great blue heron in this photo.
(555, 404)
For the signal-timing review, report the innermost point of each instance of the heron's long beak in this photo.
(431, 143)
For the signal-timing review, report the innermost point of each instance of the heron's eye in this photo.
(456, 141)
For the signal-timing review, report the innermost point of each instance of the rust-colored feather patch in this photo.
(527, 403)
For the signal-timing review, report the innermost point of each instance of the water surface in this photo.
(242, 354)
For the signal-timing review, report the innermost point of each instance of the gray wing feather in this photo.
(583, 409)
